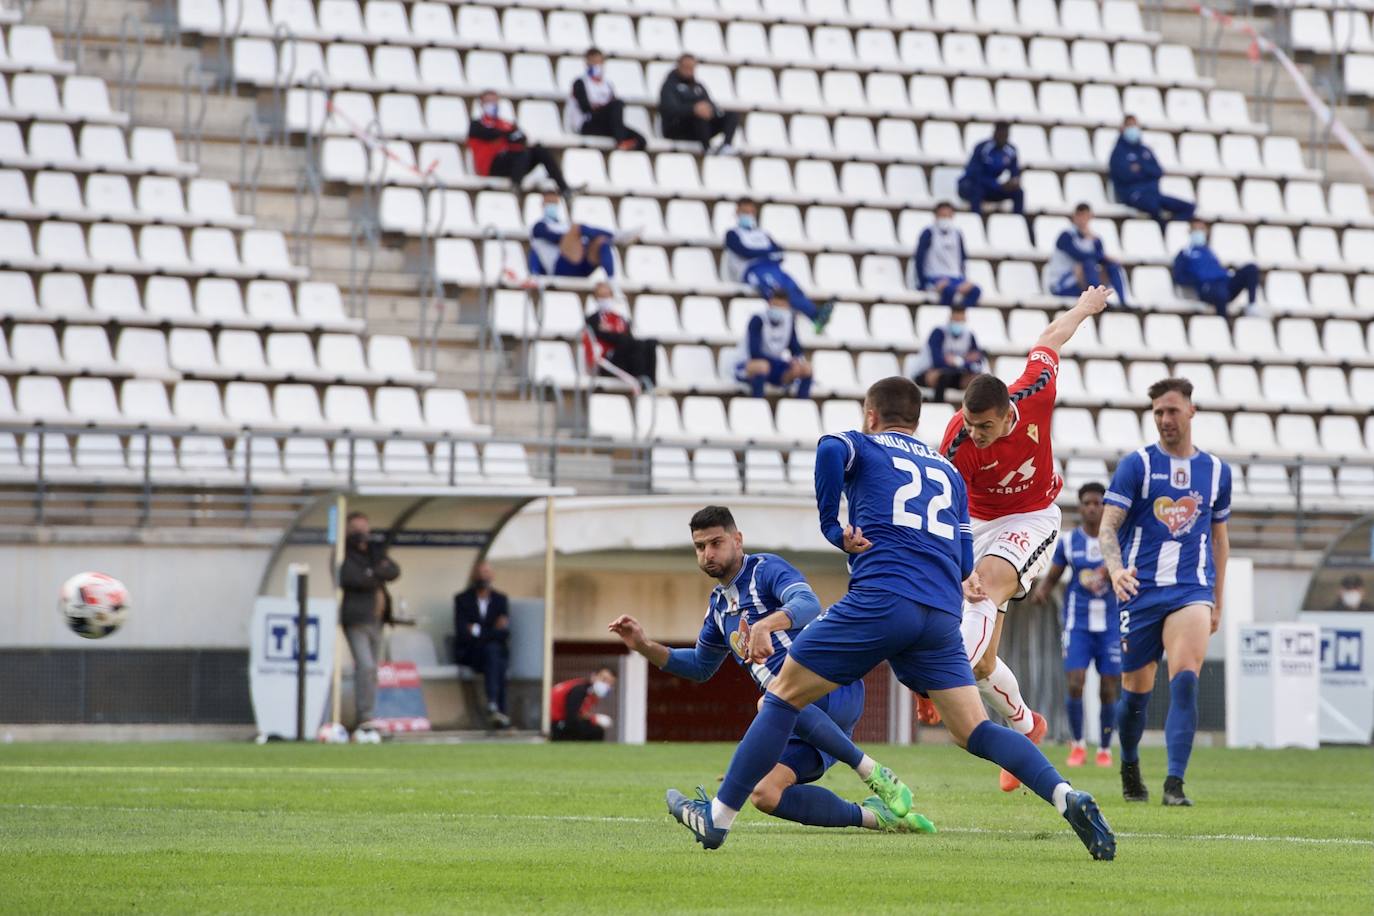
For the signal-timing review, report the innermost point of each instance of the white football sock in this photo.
(976, 627)
(866, 767)
(1003, 694)
(721, 814)
(1061, 797)
(870, 821)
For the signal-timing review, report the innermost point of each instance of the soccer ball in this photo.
(93, 604)
(367, 736)
(332, 733)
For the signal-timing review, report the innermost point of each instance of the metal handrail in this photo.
(282, 77)
(193, 131)
(246, 201)
(365, 224)
(310, 178)
(128, 75)
(73, 30)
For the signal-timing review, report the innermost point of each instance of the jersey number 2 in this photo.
(942, 500)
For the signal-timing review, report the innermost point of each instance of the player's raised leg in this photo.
(1185, 644)
(819, 730)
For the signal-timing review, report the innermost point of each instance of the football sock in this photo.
(820, 731)
(756, 383)
(758, 751)
(1106, 720)
(722, 815)
(1015, 754)
(1075, 707)
(804, 387)
(976, 628)
(1061, 797)
(1130, 723)
(865, 766)
(972, 296)
(817, 807)
(1181, 723)
(947, 294)
(1003, 694)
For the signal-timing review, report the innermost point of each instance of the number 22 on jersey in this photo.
(938, 502)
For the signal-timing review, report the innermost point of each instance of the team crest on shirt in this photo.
(739, 638)
(1033, 430)
(1095, 581)
(1179, 515)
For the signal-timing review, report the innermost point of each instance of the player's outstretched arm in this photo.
(1123, 577)
(1061, 329)
(698, 663)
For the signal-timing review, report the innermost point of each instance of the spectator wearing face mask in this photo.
(753, 257)
(940, 260)
(993, 173)
(572, 707)
(951, 357)
(1196, 267)
(481, 631)
(770, 353)
(500, 148)
(559, 248)
(1352, 595)
(595, 111)
(1135, 174)
(1080, 261)
(612, 349)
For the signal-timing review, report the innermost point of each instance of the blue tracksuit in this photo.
(982, 179)
(1197, 267)
(1135, 174)
(755, 258)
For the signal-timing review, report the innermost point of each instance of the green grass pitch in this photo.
(484, 828)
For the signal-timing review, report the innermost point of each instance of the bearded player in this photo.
(1000, 444)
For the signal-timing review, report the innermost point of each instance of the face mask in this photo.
(956, 328)
(491, 110)
(605, 305)
(1350, 597)
(594, 72)
(1132, 134)
(600, 688)
(747, 221)
(944, 224)
(1197, 238)
(551, 212)
(776, 313)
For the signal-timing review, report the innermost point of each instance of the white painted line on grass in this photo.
(614, 819)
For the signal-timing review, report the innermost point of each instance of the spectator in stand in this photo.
(751, 256)
(951, 357)
(983, 176)
(1196, 267)
(1352, 595)
(481, 635)
(595, 111)
(1079, 261)
(770, 352)
(562, 249)
(613, 349)
(366, 605)
(688, 113)
(572, 707)
(940, 260)
(500, 148)
(1135, 175)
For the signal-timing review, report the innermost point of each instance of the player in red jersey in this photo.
(1000, 443)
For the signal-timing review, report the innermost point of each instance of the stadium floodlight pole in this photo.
(302, 644)
(336, 683)
(544, 712)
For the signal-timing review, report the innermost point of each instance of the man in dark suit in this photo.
(481, 628)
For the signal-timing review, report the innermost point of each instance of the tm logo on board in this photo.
(281, 643)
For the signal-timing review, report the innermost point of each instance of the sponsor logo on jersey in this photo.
(1019, 539)
(1178, 515)
(1096, 581)
(1033, 431)
(1042, 357)
(739, 638)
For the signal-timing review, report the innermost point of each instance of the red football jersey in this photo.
(1016, 473)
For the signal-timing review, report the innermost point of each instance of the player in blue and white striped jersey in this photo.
(759, 606)
(1165, 544)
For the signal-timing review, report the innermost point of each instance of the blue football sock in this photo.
(1106, 720)
(759, 751)
(756, 383)
(1075, 707)
(972, 296)
(804, 387)
(1181, 723)
(1014, 753)
(817, 807)
(820, 731)
(1130, 723)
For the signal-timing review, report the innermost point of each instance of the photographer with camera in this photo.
(366, 606)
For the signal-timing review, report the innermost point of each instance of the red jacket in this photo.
(488, 137)
(579, 691)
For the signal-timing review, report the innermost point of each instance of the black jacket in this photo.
(364, 572)
(466, 612)
(678, 96)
